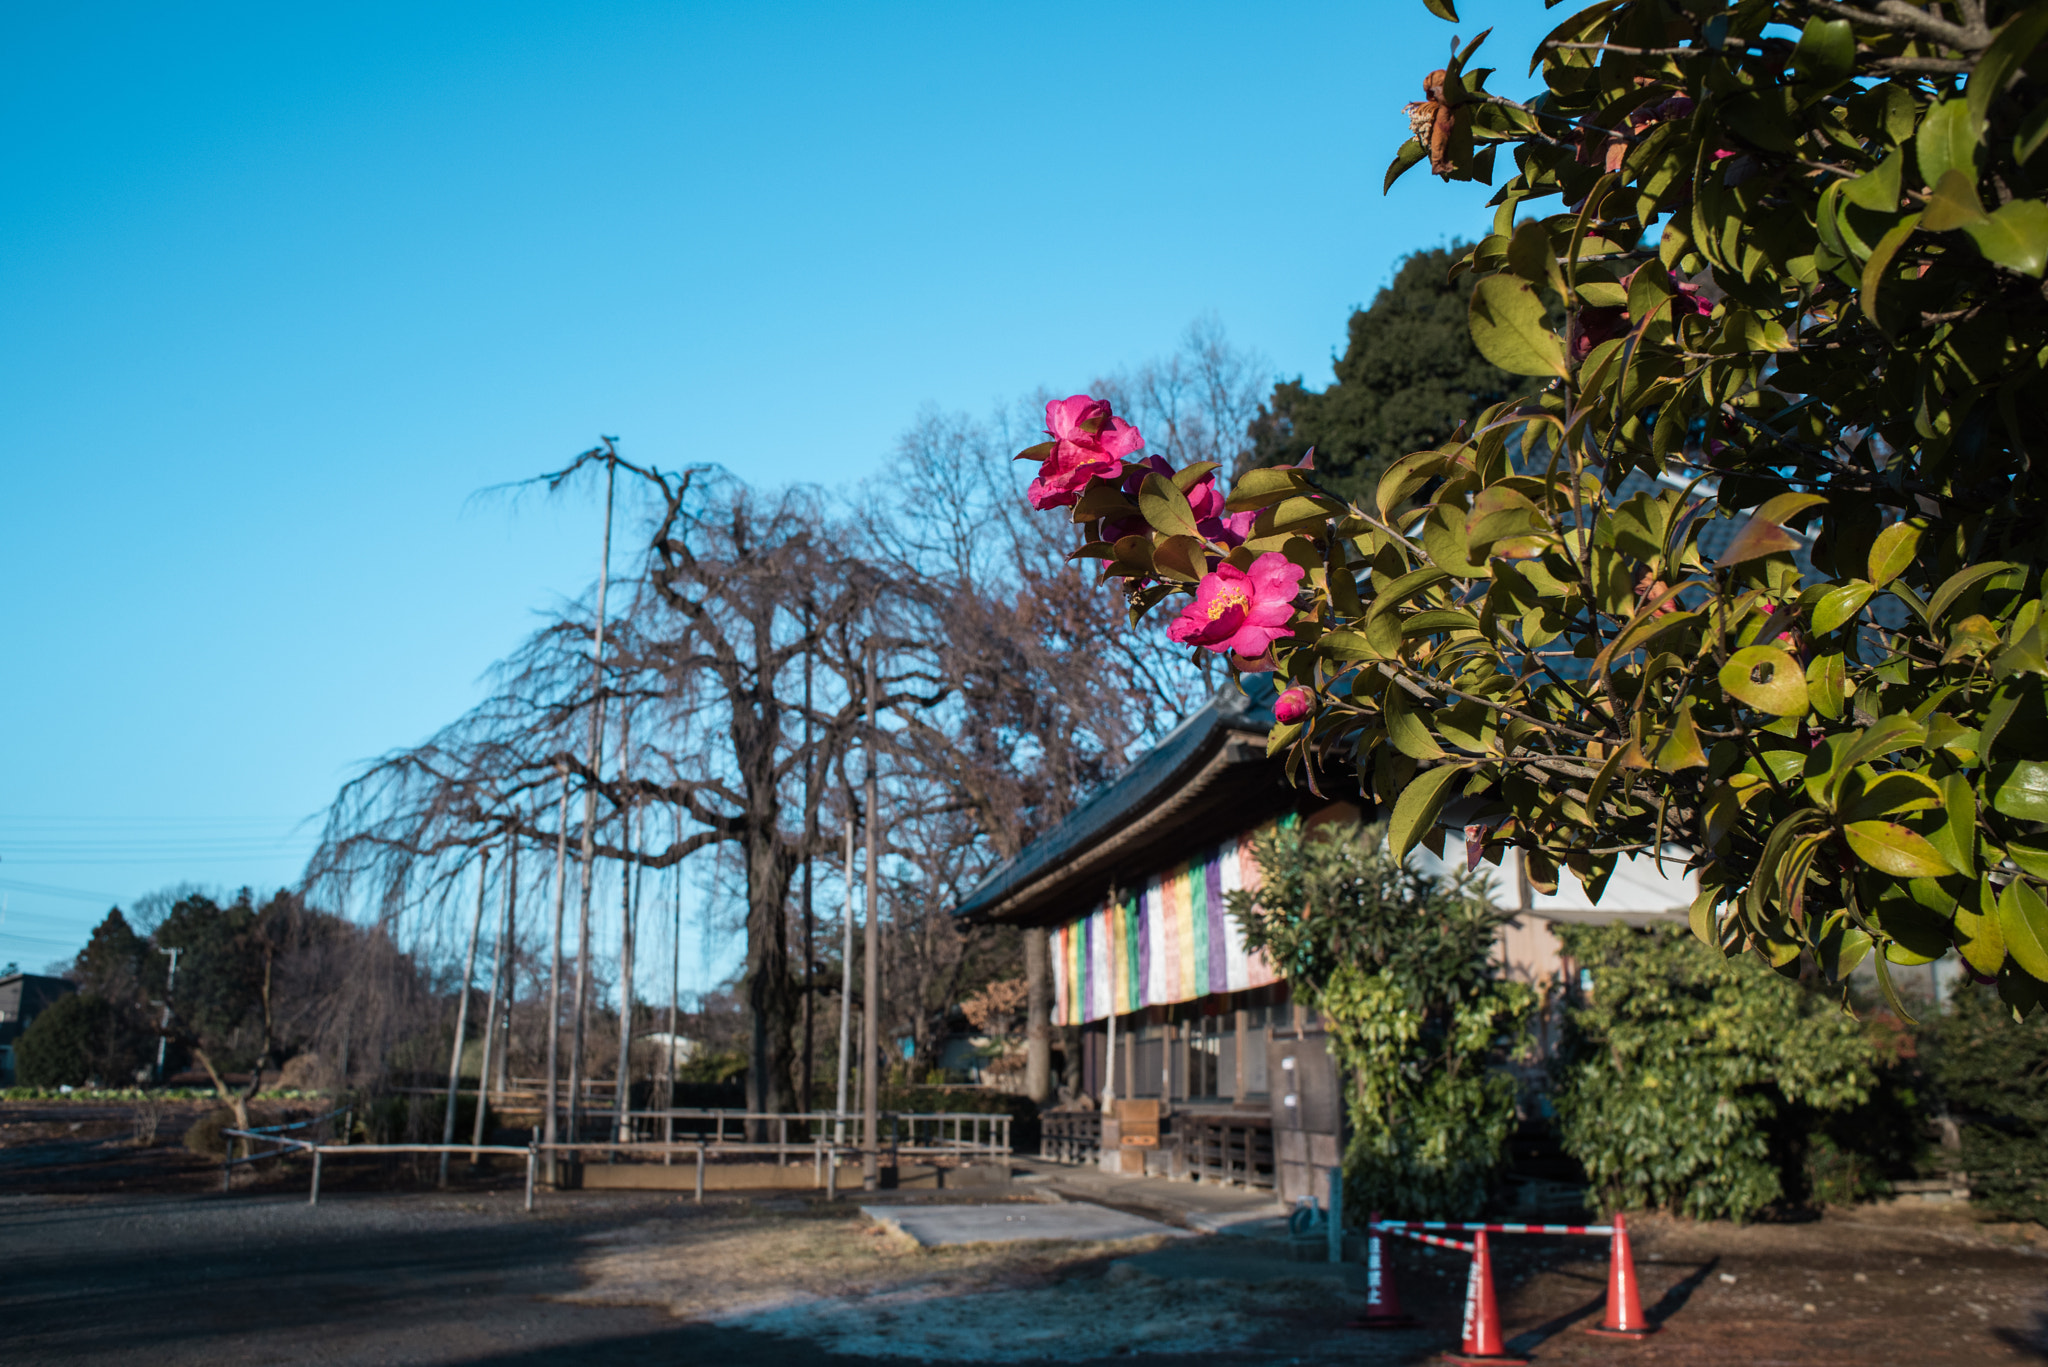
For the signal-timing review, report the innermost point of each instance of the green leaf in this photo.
(1766, 678)
(1953, 203)
(1416, 810)
(1405, 728)
(1825, 56)
(1764, 533)
(1446, 10)
(1890, 848)
(2031, 856)
(1166, 507)
(1406, 587)
(1892, 794)
(1410, 153)
(1893, 552)
(2014, 43)
(1824, 680)
(1956, 838)
(1880, 261)
(2015, 236)
(1507, 326)
(1263, 487)
(2019, 789)
(1878, 190)
(1840, 604)
(2023, 923)
(1952, 588)
(1347, 645)
(1039, 452)
(2033, 133)
(1682, 750)
(1947, 141)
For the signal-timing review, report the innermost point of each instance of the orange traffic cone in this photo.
(1483, 1343)
(1624, 1318)
(1382, 1301)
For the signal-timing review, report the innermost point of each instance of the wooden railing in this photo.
(1226, 1147)
(1070, 1136)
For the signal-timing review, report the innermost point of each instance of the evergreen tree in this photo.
(1409, 375)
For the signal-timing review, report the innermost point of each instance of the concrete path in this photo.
(1206, 1206)
(1014, 1223)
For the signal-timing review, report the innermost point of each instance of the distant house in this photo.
(22, 998)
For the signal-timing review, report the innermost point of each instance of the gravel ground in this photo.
(433, 1278)
(122, 1253)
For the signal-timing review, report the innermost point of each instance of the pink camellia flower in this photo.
(1241, 611)
(1291, 706)
(1089, 442)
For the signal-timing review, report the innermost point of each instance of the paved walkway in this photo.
(1009, 1223)
(1207, 1206)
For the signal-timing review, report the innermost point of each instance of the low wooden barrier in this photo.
(1071, 1136)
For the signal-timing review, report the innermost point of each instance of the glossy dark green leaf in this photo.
(1508, 327)
(2019, 788)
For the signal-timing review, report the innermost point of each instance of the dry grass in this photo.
(853, 1288)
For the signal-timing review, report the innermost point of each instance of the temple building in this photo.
(1194, 1059)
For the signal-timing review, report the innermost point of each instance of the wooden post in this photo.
(1237, 1091)
(532, 1162)
(313, 1196)
(831, 1174)
(476, 926)
(700, 1174)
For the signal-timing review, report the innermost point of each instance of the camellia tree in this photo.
(1797, 251)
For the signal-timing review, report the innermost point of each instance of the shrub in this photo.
(1400, 966)
(77, 1039)
(1682, 1065)
(205, 1137)
(1993, 1073)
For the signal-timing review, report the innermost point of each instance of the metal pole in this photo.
(871, 975)
(604, 579)
(483, 1072)
(476, 925)
(810, 854)
(313, 1197)
(846, 980)
(675, 982)
(623, 1124)
(532, 1157)
(700, 1174)
(555, 974)
(165, 1024)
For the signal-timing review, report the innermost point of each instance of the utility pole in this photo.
(165, 1024)
(476, 925)
(846, 977)
(555, 976)
(628, 904)
(871, 971)
(604, 579)
(810, 840)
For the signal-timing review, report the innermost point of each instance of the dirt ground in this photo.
(124, 1253)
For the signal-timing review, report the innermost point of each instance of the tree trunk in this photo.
(1038, 1018)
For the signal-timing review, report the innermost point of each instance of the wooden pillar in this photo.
(1038, 1014)
(1237, 1085)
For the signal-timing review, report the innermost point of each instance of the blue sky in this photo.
(288, 285)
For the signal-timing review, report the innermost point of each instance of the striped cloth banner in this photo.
(1173, 940)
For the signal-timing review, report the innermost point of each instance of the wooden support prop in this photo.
(532, 1163)
(313, 1196)
(700, 1174)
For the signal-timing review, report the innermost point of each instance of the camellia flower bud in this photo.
(1291, 706)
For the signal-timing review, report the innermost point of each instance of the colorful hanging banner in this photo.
(1173, 940)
